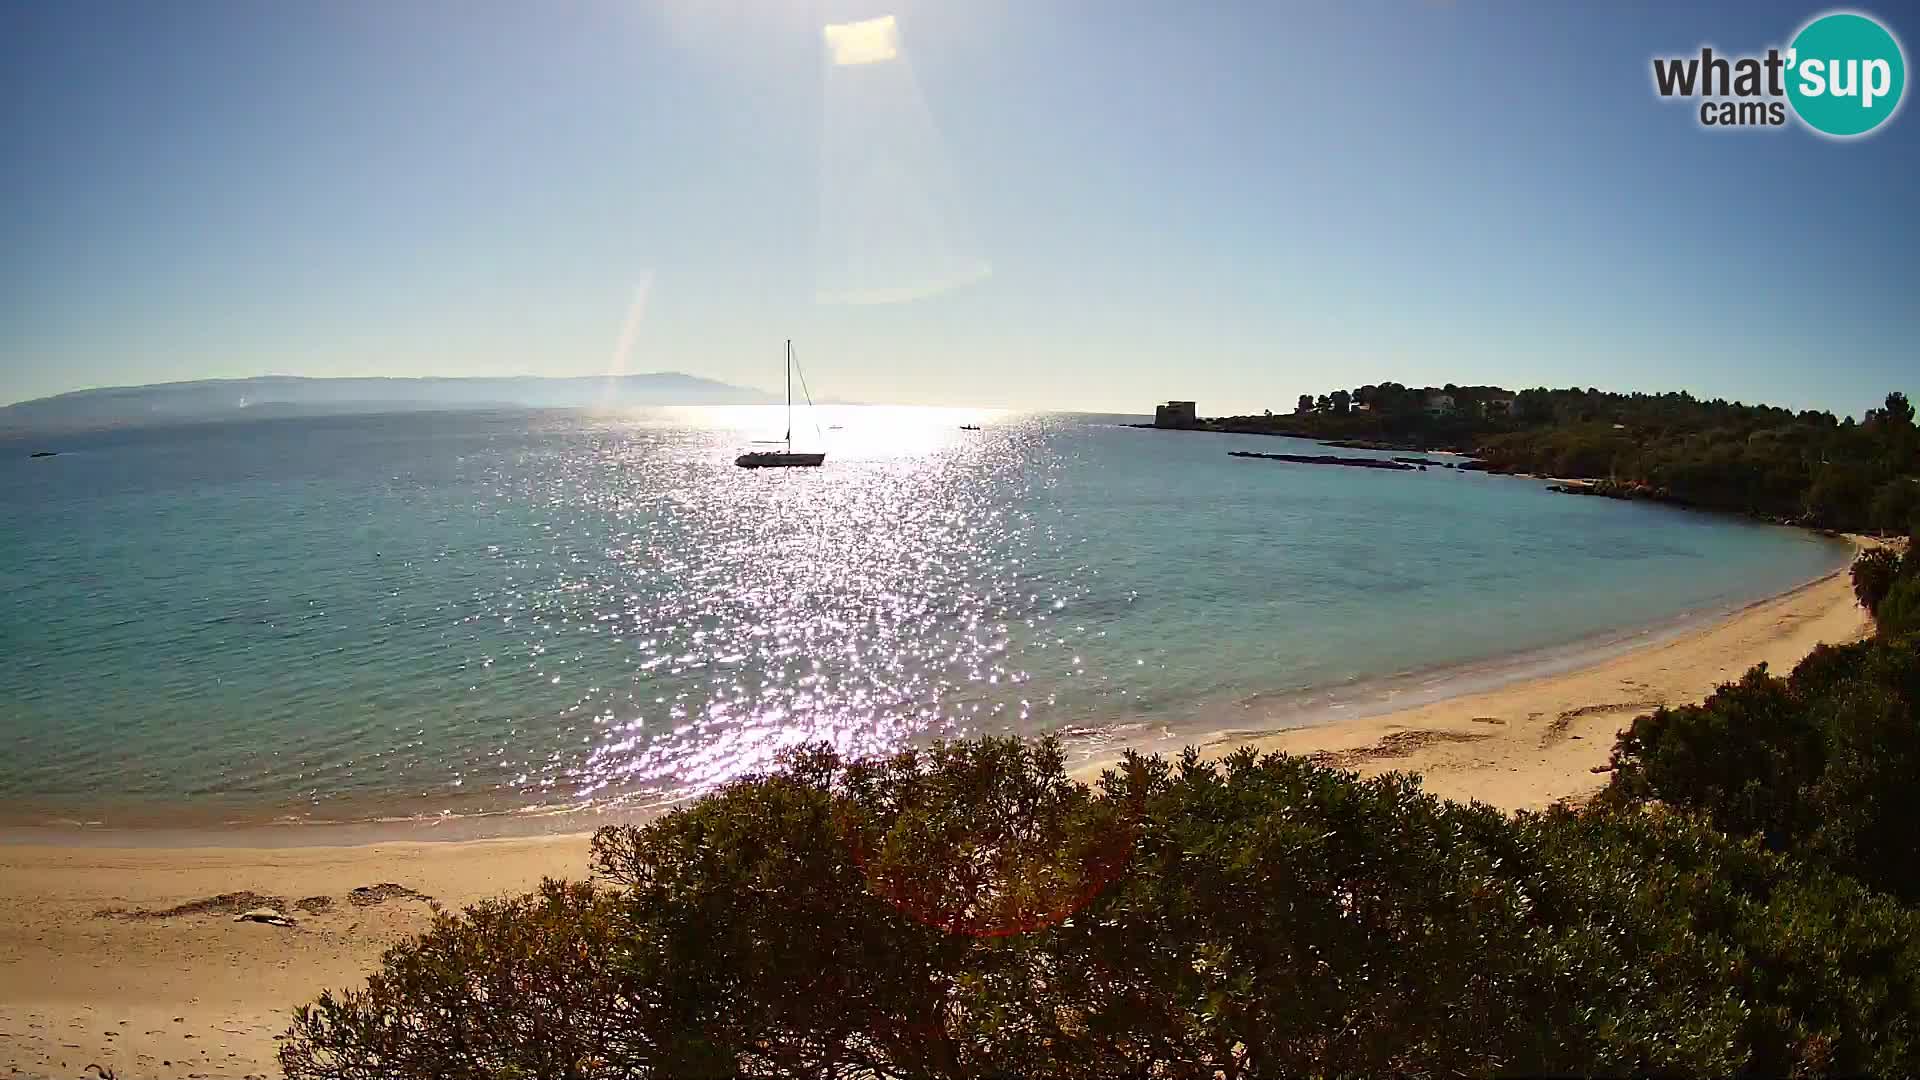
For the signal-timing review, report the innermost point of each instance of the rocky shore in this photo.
(1329, 459)
(1395, 464)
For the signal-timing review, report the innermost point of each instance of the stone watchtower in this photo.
(1174, 414)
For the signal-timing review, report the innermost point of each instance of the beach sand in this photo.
(1531, 744)
(196, 994)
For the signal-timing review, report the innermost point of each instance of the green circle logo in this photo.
(1845, 74)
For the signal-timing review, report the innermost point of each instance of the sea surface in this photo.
(463, 615)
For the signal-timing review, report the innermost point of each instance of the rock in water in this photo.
(1326, 459)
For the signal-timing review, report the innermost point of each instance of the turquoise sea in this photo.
(425, 615)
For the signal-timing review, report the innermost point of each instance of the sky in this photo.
(1010, 203)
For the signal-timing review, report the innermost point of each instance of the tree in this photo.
(1339, 400)
(1534, 406)
(1305, 405)
(1874, 573)
(1899, 411)
(1896, 506)
(1774, 463)
(1840, 495)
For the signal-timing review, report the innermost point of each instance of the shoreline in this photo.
(1594, 486)
(1535, 742)
(1202, 722)
(1414, 689)
(176, 993)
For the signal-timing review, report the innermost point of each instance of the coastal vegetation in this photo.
(1741, 899)
(1822, 764)
(1874, 574)
(1808, 467)
(1888, 586)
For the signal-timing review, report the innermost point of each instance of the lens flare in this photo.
(891, 229)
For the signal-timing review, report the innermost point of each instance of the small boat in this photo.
(788, 458)
(969, 427)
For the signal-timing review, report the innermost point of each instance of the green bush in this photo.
(883, 917)
(1697, 953)
(530, 987)
(1899, 613)
(1744, 756)
(1825, 763)
(1279, 918)
(1874, 573)
(969, 910)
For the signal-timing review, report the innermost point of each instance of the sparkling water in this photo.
(350, 618)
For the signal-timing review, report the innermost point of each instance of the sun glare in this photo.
(869, 41)
(892, 227)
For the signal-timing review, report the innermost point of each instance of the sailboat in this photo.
(788, 458)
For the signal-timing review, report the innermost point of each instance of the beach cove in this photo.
(196, 992)
(495, 618)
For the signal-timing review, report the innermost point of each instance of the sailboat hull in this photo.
(778, 459)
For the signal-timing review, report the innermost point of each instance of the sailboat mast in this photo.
(789, 395)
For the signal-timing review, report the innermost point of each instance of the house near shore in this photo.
(1175, 414)
(1439, 403)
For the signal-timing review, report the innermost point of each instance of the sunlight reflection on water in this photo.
(859, 604)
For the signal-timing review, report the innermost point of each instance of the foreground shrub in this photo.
(1874, 573)
(1281, 918)
(970, 910)
(973, 911)
(1825, 763)
(879, 918)
(525, 987)
(1695, 952)
(1900, 612)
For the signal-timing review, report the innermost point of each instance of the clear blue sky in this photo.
(1234, 203)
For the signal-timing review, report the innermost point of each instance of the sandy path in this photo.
(195, 994)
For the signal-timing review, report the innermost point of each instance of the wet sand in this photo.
(130, 958)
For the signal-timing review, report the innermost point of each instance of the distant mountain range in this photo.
(289, 395)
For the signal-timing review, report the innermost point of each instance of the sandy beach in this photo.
(129, 958)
